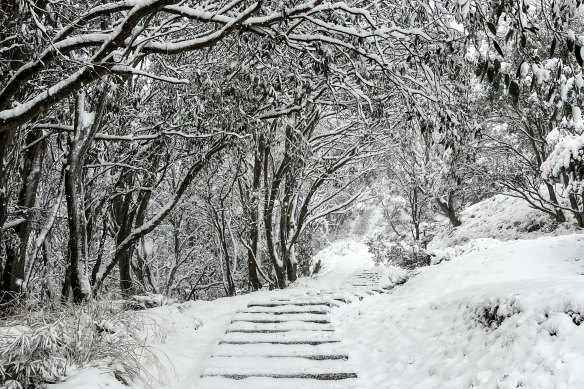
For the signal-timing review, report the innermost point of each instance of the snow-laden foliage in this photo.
(39, 346)
(566, 161)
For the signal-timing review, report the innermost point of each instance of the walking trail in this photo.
(288, 340)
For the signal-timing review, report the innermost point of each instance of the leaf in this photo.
(480, 69)
(492, 27)
(498, 48)
(570, 44)
(523, 41)
(553, 48)
(518, 74)
(497, 65)
(507, 80)
(509, 35)
(514, 92)
(555, 115)
(551, 92)
(491, 74)
(578, 52)
(500, 10)
(567, 110)
(497, 82)
(533, 81)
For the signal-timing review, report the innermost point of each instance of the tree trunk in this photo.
(84, 131)
(253, 252)
(578, 214)
(14, 270)
(560, 217)
(123, 216)
(448, 209)
(269, 201)
(5, 140)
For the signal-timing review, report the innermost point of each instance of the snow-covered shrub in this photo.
(492, 313)
(567, 158)
(407, 254)
(148, 300)
(39, 347)
(446, 254)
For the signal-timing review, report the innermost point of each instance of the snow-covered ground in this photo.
(500, 217)
(507, 316)
(194, 328)
(495, 313)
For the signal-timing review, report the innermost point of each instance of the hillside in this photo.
(499, 217)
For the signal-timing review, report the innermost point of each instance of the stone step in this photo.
(281, 302)
(285, 367)
(244, 326)
(289, 337)
(285, 311)
(316, 352)
(288, 308)
(270, 318)
(216, 382)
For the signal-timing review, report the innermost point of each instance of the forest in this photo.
(157, 152)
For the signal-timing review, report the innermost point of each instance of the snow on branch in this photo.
(124, 69)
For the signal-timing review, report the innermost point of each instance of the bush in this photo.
(405, 254)
(38, 346)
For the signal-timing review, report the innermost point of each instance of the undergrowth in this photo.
(38, 345)
(491, 314)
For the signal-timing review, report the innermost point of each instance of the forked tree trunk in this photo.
(448, 209)
(269, 202)
(85, 128)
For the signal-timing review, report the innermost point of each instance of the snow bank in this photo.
(499, 217)
(505, 316)
(448, 253)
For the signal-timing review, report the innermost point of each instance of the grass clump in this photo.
(39, 344)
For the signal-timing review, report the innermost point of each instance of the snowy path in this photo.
(248, 340)
(289, 342)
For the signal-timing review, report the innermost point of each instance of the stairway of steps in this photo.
(289, 342)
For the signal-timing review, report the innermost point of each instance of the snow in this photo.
(90, 378)
(499, 217)
(491, 314)
(431, 332)
(569, 150)
(191, 331)
(288, 337)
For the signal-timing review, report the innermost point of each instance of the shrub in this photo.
(492, 313)
(38, 346)
(406, 254)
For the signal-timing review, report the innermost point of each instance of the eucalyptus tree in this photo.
(533, 88)
(352, 58)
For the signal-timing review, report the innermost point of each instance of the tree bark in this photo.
(16, 255)
(269, 201)
(84, 130)
(448, 209)
(560, 217)
(253, 252)
(123, 215)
